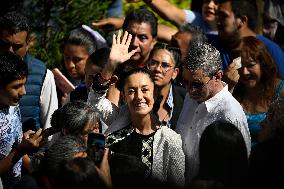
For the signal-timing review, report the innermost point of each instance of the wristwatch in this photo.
(100, 84)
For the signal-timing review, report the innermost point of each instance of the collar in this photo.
(212, 102)
(170, 98)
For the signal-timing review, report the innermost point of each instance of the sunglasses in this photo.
(199, 85)
(7, 45)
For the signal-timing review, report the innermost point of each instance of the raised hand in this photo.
(119, 49)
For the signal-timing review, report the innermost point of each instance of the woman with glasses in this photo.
(164, 64)
(258, 83)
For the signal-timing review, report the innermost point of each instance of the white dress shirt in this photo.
(48, 99)
(194, 118)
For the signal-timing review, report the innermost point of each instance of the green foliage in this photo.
(51, 20)
(183, 4)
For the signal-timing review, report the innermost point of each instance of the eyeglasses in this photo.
(165, 67)
(7, 45)
(199, 85)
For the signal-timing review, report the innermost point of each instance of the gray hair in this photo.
(63, 149)
(198, 36)
(203, 56)
(74, 116)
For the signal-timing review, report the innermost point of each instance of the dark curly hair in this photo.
(121, 82)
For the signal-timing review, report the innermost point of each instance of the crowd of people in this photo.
(197, 107)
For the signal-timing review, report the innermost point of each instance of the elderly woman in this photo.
(75, 119)
(134, 129)
(258, 83)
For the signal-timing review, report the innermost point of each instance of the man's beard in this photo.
(231, 41)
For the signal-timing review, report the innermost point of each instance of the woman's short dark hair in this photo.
(122, 80)
(223, 154)
(81, 37)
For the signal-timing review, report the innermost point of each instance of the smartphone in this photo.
(96, 146)
(62, 82)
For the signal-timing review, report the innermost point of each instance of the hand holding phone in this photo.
(96, 146)
(62, 82)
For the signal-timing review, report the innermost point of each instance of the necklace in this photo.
(166, 117)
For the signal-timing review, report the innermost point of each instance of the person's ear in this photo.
(153, 43)
(242, 21)
(175, 73)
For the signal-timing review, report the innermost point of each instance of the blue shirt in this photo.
(254, 120)
(196, 19)
(276, 53)
(274, 50)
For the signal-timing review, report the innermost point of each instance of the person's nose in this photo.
(135, 41)
(245, 71)
(22, 91)
(158, 68)
(139, 95)
(212, 4)
(72, 64)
